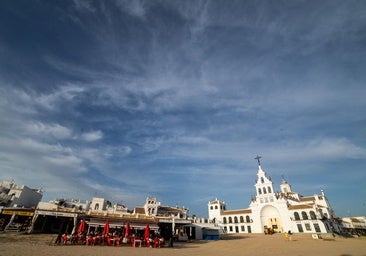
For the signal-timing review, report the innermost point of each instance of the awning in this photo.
(143, 226)
(138, 226)
(101, 224)
(18, 212)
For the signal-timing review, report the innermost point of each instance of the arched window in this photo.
(224, 220)
(259, 191)
(304, 216)
(264, 191)
(262, 180)
(230, 220)
(96, 207)
(241, 219)
(216, 207)
(235, 219)
(312, 215)
(211, 207)
(297, 216)
(269, 190)
(247, 218)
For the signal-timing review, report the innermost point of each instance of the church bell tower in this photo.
(264, 185)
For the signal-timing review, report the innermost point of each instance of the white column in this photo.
(33, 222)
(173, 223)
(11, 220)
(75, 224)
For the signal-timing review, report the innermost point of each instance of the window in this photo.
(224, 220)
(230, 220)
(249, 229)
(326, 226)
(297, 216)
(259, 191)
(96, 207)
(247, 218)
(231, 228)
(269, 190)
(241, 219)
(321, 212)
(211, 207)
(236, 219)
(216, 207)
(316, 227)
(262, 180)
(299, 227)
(242, 228)
(307, 227)
(264, 191)
(304, 216)
(312, 215)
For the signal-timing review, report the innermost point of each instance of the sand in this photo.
(230, 245)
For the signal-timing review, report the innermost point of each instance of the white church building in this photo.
(279, 212)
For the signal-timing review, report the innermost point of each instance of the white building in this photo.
(64, 204)
(355, 225)
(101, 205)
(278, 212)
(13, 195)
(153, 207)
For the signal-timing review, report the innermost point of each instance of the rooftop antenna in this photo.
(257, 158)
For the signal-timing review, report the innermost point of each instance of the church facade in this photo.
(276, 212)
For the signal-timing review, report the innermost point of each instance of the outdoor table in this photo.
(113, 241)
(137, 241)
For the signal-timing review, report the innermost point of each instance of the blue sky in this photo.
(125, 99)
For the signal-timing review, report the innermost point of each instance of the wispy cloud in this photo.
(55, 130)
(92, 136)
(135, 8)
(59, 96)
(185, 93)
(84, 5)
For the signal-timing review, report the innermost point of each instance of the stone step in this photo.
(12, 228)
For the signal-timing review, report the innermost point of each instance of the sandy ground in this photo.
(253, 245)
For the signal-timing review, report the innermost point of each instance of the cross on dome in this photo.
(257, 158)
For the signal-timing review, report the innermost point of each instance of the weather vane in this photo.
(257, 158)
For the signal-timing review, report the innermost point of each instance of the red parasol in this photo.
(128, 229)
(147, 233)
(106, 227)
(82, 226)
